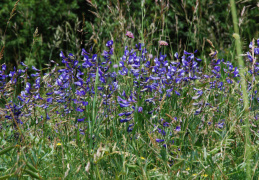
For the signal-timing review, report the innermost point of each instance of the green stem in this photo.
(244, 90)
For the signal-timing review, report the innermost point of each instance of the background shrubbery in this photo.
(184, 24)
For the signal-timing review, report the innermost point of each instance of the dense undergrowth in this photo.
(146, 117)
(128, 110)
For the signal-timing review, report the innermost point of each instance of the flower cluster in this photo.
(70, 88)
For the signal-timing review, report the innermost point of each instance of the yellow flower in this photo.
(204, 175)
(194, 174)
(59, 144)
(188, 169)
(142, 158)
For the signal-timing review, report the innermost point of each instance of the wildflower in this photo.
(130, 128)
(115, 66)
(125, 120)
(163, 43)
(79, 110)
(109, 43)
(59, 144)
(194, 174)
(34, 68)
(142, 158)
(81, 119)
(204, 175)
(130, 34)
(160, 140)
(177, 93)
(23, 64)
(188, 169)
(178, 128)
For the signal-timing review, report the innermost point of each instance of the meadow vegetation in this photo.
(161, 90)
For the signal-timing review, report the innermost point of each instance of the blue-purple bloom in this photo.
(160, 140)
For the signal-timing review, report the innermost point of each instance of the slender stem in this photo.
(142, 19)
(244, 90)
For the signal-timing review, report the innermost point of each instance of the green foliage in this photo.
(56, 149)
(32, 14)
(184, 24)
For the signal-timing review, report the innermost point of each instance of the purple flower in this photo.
(34, 68)
(124, 105)
(23, 64)
(160, 140)
(81, 120)
(125, 120)
(229, 81)
(178, 128)
(94, 58)
(130, 128)
(62, 55)
(200, 92)
(3, 67)
(140, 109)
(35, 75)
(38, 97)
(79, 110)
(177, 93)
(49, 100)
(79, 83)
(109, 43)
(221, 125)
(28, 87)
(85, 103)
(80, 93)
(236, 72)
(121, 114)
(128, 113)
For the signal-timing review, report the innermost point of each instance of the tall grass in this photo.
(89, 118)
(244, 90)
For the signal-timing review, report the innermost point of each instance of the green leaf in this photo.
(6, 150)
